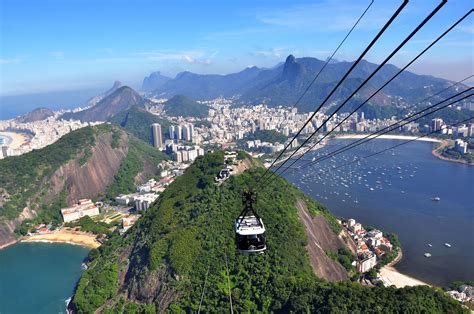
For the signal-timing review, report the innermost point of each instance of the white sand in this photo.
(16, 139)
(65, 236)
(390, 137)
(398, 279)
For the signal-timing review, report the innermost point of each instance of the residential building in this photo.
(84, 207)
(157, 137)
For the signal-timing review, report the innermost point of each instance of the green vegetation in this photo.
(345, 257)
(188, 233)
(23, 176)
(270, 136)
(132, 165)
(453, 154)
(88, 225)
(182, 106)
(138, 122)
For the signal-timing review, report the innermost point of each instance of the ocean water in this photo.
(38, 277)
(404, 181)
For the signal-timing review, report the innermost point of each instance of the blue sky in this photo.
(48, 45)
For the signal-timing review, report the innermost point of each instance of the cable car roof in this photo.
(249, 225)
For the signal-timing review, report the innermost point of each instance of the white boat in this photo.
(447, 245)
(436, 199)
(430, 245)
(427, 255)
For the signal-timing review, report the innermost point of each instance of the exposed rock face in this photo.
(7, 228)
(84, 181)
(321, 239)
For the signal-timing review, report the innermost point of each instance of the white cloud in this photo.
(56, 54)
(466, 29)
(276, 52)
(325, 16)
(10, 61)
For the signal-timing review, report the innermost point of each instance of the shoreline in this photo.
(398, 279)
(65, 236)
(14, 140)
(389, 137)
(436, 152)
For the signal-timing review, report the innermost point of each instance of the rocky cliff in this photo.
(83, 164)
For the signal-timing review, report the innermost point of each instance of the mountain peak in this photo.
(290, 59)
(153, 81)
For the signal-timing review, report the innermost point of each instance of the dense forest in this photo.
(184, 247)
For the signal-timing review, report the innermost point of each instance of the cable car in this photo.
(249, 228)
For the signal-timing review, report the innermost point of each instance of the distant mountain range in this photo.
(154, 81)
(284, 83)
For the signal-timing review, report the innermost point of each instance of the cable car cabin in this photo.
(250, 234)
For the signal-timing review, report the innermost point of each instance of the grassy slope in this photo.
(189, 232)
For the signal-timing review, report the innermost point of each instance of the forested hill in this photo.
(138, 121)
(180, 105)
(103, 161)
(186, 239)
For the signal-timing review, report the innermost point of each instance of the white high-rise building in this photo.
(179, 132)
(187, 133)
(156, 135)
(172, 132)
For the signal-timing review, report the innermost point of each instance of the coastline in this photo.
(15, 140)
(436, 152)
(398, 279)
(390, 137)
(65, 236)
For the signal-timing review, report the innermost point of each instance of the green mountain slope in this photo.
(137, 121)
(91, 162)
(180, 105)
(186, 239)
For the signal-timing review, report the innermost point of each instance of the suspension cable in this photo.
(387, 129)
(376, 38)
(400, 144)
(432, 13)
(378, 90)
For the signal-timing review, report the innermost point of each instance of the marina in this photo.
(400, 192)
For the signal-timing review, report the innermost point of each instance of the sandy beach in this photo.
(66, 236)
(390, 137)
(15, 140)
(398, 279)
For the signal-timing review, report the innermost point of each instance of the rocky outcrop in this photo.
(320, 240)
(86, 180)
(7, 228)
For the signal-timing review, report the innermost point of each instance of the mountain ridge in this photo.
(186, 239)
(284, 83)
(82, 164)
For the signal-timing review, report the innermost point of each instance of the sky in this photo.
(54, 45)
